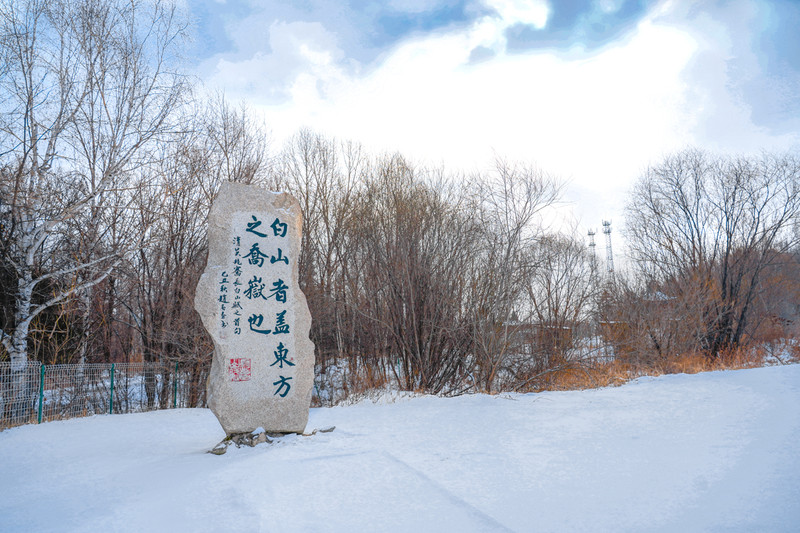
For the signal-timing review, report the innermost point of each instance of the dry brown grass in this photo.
(364, 381)
(578, 377)
(618, 372)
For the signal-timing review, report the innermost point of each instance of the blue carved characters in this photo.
(251, 227)
(278, 290)
(280, 356)
(280, 258)
(279, 228)
(280, 324)
(255, 256)
(281, 383)
(255, 323)
(255, 288)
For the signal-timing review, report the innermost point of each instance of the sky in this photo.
(591, 92)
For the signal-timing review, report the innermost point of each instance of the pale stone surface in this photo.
(262, 373)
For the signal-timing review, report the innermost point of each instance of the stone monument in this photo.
(251, 304)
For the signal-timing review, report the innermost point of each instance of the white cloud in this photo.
(520, 11)
(725, 63)
(271, 66)
(594, 119)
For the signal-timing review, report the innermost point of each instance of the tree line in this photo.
(110, 158)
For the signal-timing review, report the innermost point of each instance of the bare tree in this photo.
(235, 145)
(708, 228)
(511, 200)
(173, 199)
(326, 177)
(417, 242)
(85, 91)
(561, 294)
(646, 324)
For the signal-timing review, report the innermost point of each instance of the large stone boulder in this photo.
(250, 302)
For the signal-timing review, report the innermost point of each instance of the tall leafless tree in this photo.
(220, 143)
(511, 200)
(708, 228)
(86, 89)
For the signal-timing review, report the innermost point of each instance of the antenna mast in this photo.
(609, 253)
(592, 256)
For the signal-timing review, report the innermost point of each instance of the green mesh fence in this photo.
(37, 393)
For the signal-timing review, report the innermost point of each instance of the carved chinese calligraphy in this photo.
(251, 304)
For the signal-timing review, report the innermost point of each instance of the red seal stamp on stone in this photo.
(239, 369)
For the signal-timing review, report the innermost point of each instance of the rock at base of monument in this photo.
(259, 436)
(250, 439)
(220, 448)
(320, 430)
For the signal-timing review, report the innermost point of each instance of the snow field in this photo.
(717, 451)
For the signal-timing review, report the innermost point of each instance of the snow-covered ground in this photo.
(706, 452)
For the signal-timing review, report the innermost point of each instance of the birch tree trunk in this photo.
(85, 91)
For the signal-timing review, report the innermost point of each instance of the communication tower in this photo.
(592, 253)
(609, 253)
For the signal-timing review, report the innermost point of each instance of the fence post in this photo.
(41, 392)
(111, 398)
(175, 395)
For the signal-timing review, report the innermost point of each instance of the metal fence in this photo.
(37, 393)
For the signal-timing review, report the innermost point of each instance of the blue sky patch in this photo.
(578, 22)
